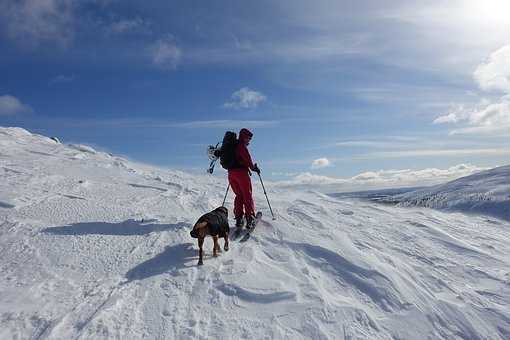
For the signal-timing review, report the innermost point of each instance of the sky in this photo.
(332, 90)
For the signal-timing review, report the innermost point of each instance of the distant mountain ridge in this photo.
(486, 193)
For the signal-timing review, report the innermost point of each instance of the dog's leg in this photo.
(216, 246)
(226, 242)
(200, 250)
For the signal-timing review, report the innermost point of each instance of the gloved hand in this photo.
(256, 168)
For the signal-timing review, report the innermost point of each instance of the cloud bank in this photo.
(380, 179)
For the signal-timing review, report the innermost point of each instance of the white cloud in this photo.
(10, 105)
(129, 25)
(245, 98)
(307, 178)
(31, 22)
(434, 153)
(494, 114)
(285, 174)
(358, 143)
(198, 124)
(288, 49)
(419, 96)
(390, 142)
(494, 74)
(165, 53)
(381, 179)
(226, 124)
(61, 78)
(320, 163)
(500, 131)
(456, 114)
(488, 115)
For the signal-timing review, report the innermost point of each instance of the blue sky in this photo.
(331, 89)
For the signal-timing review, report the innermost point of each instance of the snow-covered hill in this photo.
(486, 192)
(93, 246)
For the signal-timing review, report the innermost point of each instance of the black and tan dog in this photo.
(215, 224)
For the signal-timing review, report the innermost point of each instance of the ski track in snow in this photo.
(93, 246)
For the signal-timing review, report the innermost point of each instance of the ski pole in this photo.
(225, 198)
(265, 193)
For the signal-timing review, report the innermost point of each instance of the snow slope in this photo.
(486, 192)
(93, 246)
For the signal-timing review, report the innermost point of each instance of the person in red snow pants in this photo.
(241, 185)
(239, 179)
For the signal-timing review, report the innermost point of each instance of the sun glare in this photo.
(490, 11)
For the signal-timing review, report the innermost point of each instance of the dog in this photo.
(215, 224)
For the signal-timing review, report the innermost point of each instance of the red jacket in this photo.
(242, 154)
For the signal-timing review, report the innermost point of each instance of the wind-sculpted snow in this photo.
(93, 246)
(375, 287)
(255, 297)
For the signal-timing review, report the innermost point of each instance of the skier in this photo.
(239, 179)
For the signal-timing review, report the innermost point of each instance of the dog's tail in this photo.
(196, 228)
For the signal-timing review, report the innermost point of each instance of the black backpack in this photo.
(228, 151)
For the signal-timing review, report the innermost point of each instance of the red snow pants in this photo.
(240, 182)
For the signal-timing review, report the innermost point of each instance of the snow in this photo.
(486, 192)
(98, 247)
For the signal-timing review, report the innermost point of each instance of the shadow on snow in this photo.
(172, 258)
(127, 228)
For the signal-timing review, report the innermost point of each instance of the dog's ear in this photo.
(223, 209)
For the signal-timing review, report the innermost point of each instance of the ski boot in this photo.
(250, 222)
(239, 222)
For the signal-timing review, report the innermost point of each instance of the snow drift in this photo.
(94, 246)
